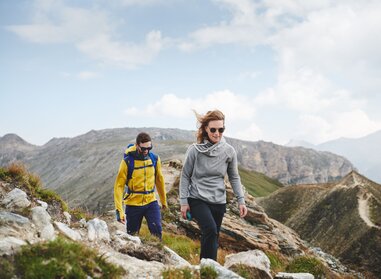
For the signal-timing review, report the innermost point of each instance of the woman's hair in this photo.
(203, 121)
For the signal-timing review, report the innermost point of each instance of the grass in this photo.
(258, 184)
(31, 183)
(277, 262)
(181, 244)
(180, 273)
(60, 258)
(307, 264)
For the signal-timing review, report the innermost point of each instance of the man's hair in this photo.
(142, 138)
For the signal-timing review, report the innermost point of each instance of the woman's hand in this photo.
(242, 210)
(184, 209)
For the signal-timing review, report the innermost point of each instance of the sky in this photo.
(278, 69)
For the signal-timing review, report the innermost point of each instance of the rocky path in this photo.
(364, 209)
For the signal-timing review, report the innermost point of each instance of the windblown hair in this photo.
(203, 122)
(142, 138)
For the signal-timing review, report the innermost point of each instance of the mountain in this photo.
(343, 218)
(364, 152)
(83, 169)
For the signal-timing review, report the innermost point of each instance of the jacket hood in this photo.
(209, 148)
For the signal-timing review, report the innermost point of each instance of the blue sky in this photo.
(278, 69)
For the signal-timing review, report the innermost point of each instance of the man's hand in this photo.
(164, 206)
(120, 219)
(242, 210)
(184, 209)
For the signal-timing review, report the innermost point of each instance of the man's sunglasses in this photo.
(145, 148)
(220, 130)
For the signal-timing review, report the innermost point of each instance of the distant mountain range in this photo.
(83, 169)
(343, 218)
(364, 152)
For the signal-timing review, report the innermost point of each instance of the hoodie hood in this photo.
(209, 148)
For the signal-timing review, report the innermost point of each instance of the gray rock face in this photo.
(68, 231)
(15, 199)
(223, 273)
(254, 258)
(285, 275)
(98, 230)
(41, 219)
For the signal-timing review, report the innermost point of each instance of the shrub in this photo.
(277, 262)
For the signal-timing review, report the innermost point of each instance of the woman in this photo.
(202, 187)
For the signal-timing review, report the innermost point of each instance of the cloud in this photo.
(91, 31)
(238, 109)
(351, 124)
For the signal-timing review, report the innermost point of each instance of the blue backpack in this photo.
(130, 162)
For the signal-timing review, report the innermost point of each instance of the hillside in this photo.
(41, 237)
(83, 169)
(342, 218)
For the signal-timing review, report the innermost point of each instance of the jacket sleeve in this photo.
(234, 178)
(186, 175)
(119, 185)
(160, 183)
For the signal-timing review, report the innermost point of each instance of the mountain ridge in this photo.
(83, 169)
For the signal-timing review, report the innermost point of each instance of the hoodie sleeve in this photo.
(186, 175)
(119, 185)
(160, 184)
(234, 178)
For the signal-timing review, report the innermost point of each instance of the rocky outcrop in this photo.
(83, 169)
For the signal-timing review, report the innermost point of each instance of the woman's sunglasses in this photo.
(145, 148)
(220, 130)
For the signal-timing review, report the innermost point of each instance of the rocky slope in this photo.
(83, 169)
(342, 218)
(27, 219)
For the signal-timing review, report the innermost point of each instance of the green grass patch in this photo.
(180, 273)
(258, 184)
(277, 262)
(307, 264)
(208, 272)
(62, 258)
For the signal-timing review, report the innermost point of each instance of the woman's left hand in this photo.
(242, 210)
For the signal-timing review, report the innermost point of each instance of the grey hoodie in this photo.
(204, 170)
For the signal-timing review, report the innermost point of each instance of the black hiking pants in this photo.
(209, 218)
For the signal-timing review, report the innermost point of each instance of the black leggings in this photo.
(209, 218)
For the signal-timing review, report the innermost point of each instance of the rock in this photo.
(82, 223)
(126, 236)
(41, 219)
(13, 219)
(175, 259)
(10, 245)
(223, 273)
(15, 199)
(97, 230)
(285, 275)
(43, 204)
(255, 259)
(68, 231)
(68, 217)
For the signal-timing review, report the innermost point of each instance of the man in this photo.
(139, 172)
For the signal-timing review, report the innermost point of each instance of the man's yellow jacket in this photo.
(144, 178)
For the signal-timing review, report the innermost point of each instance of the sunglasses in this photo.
(220, 130)
(145, 148)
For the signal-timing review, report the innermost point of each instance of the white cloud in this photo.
(236, 107)
(351, 124)
(91, 31)
(239, 112)
(251, 133)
